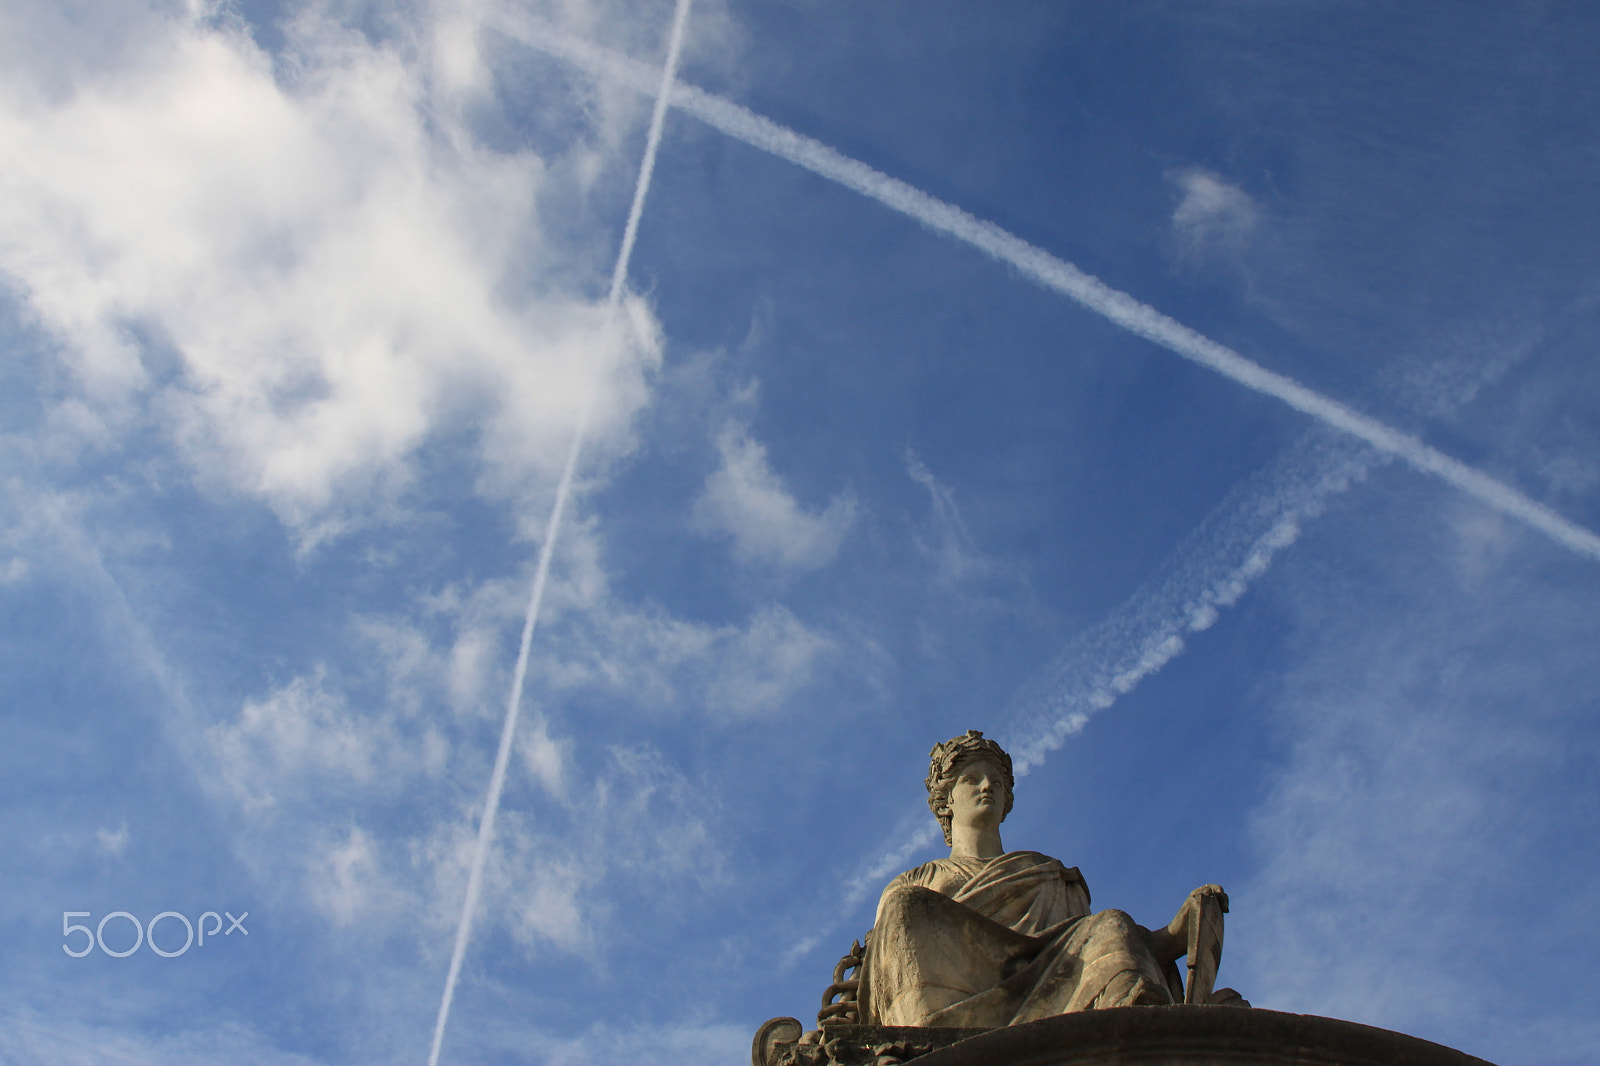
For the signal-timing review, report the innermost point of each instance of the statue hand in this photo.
(1214, 891)
(1178, 929)
(1173, 941)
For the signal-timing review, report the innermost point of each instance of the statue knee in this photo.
(909, 899)
(1121, 919)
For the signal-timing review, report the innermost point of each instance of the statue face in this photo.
(978, 794)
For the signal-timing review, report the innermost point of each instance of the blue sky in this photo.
(300, 307)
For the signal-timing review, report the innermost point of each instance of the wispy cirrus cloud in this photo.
(318, 770)
(1209, 572)
(1216, 564)
(949, 544)
(56, 1041)
(1403, 807)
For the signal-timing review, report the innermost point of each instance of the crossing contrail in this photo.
(1208, 573)
(1159, 618)
(1052, 273)
(1214, 566)
(497, 778)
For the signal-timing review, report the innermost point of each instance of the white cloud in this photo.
(764, 664)
(14, 570)
(1213, 216)
(658, 663)
(305, 740)
(304, 269)
(453, 650)
(322, 767)
(544, 757)
(637, 829)
(344, 876)
(113, 843)
(549, 909)
(745, 500)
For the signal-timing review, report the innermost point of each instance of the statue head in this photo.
(945, 762)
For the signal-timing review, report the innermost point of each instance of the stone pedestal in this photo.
(1124, 1036)
(1193, 1036)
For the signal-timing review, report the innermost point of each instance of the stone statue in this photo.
(988, 938)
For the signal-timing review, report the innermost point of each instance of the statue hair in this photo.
(947, 758)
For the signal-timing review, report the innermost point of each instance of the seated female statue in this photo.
(990, 937)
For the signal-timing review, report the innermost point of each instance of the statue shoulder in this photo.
(944, 876)
(1039, 858)
(1069, 874)
(923, 875)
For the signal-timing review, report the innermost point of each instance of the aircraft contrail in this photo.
(497, 778)
(1213, 567)
(1189, 601)
(1208, 572)
(1050, 272)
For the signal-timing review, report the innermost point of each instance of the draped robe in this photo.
(983, 943)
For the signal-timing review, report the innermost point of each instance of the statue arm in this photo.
(1171, 942)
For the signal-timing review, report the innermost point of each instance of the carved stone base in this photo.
(1194, 1036)
(1126, 1036)
(781, 1043)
